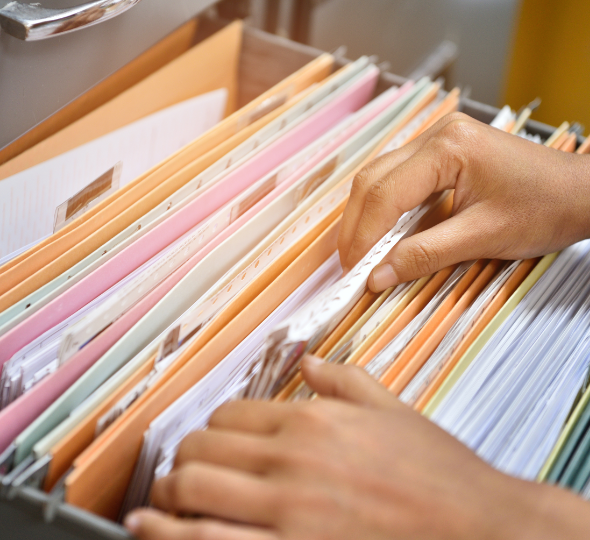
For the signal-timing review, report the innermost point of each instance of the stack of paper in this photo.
(187, 257)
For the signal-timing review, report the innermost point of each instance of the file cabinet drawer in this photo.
(28, 513)
(39, 77)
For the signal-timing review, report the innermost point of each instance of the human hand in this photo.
(356, 464)
(513, 199)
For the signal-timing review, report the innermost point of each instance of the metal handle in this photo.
(31, 22)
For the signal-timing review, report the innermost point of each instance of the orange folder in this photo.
(156, 57)
(569, 145)
(419, 350)
(73, 444)
(560, 140)
(436, 319)
(177, 81)
(505, 292)
(99, 484)
(385, 333)
(59, 252)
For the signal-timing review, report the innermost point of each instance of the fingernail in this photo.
(384, 277)
(313, 361)
(132, 522)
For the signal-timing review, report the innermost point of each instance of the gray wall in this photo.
(403, 32)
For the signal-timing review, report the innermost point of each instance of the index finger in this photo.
(378, 169)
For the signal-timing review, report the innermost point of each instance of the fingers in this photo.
(463, 237)
(381, 197)
(376, 170)
(394, 194)
(361, 185)
(348, 383)
(259, 417)
(154, 525)
(235, 450)
(200, 488)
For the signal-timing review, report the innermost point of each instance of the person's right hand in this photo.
(514, 199)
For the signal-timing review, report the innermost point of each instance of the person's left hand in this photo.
(356, 464)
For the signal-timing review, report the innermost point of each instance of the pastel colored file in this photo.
(81, 485)
(488, 332)
(187, 217)
(488, 314)
(425, 343)
(112, 334)
(144, 193)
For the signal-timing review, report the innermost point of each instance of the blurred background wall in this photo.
(502, 51)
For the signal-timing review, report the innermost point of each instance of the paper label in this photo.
(316, 179)
(269, 105)
(88, 197)
(253, 198)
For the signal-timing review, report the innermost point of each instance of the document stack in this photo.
(176, 249)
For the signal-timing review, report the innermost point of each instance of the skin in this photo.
(357, 463)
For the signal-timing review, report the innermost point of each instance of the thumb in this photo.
(348, 383)
(457, 239)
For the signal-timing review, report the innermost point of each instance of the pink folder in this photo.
(182, 221)
(16, 417)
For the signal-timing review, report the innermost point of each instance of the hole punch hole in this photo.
(307, 220)
(257, 263)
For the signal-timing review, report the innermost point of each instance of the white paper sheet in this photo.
(28, 199)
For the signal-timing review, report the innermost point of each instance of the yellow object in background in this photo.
(551, 60)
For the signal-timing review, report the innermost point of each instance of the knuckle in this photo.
(422, 259)
(377, 194)
(363, 179)
(459, 129)
(310, 414)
